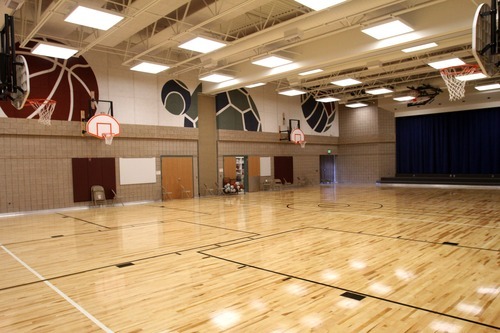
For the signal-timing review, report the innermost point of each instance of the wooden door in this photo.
(177, 171)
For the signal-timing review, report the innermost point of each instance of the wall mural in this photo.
(68, 82)
(177, 100)
(319, 116)
(236, 110)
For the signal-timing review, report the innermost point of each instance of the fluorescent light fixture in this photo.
(202, 45)
(387, 29)
(148, 67)
(53, 50)
(216, 78)
(291, 92)
(446, 63)
(93, 18)
(314, 71)
(488, 87)
(327, 99)
(379, 91)
(346, 82)
(255, 85)
(471, 77)
(319, 4)
(419, 47)
(271, 61)
(404, 98)
(356, 105)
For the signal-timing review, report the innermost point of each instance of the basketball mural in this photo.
(68, 82)
(319, 116)
(236, 110)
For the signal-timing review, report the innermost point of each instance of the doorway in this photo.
(327, 168)
(177, 176)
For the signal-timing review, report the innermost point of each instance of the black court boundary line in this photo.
(405, 239)
(82, 220)
(351, 291)
(213, 226)
(176, 252)
(325, 205)
(180, 210)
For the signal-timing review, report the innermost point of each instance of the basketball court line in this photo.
(85, 221)
(59, 292)
(403, 218)
(289, 276)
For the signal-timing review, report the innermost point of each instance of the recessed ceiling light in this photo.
(404, 98)
(356, 105)
(387, 29)
(447, 63)
(53, 50)
(470, 77)
(291, 92)
(148, 67)
(202, 45)
(93, 18)
(255, 85)
(346, 82)
(488, 87)
(216, 78)
(314, 71)
(379, 91)
(327, 99)
(319, 5)
(271, 61)
(419, 47)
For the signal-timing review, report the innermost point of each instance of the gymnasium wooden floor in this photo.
(312, 259)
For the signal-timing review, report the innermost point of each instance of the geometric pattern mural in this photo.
(319, 116)
(236, 110)
(178, 101)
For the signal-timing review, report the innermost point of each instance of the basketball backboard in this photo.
(102, 124)
(485, 46)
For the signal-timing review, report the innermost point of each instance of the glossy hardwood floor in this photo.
(312, 259)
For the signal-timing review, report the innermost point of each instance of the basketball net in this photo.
(302, 144)
(108, 138)
(456, 88)
(46, 108)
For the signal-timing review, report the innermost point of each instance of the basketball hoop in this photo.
(456, 87)
(45, 108)
(108, 138)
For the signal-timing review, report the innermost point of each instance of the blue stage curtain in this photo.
(466, 142)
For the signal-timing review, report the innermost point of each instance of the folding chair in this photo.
(116, 197)
(98, 195)
(277, 184)
(184, 192)
(208, 190)
(165, 194)
(219, 189)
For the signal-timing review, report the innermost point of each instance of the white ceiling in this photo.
(330, 39)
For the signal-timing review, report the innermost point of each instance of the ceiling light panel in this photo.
(488, 87)
(291, 92)
(319, 4)
(447, 63)
(93, 18)
(53, 50)
(404, 98)
(346, 82)
(419, 47)
(255, 85)
(314, 71)
(356, 105)
(148, 67)
(471, 77)
(327, 99)
(216, 78)
(388, 29)
(379, 91)
(271, 61)
(202, 45)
